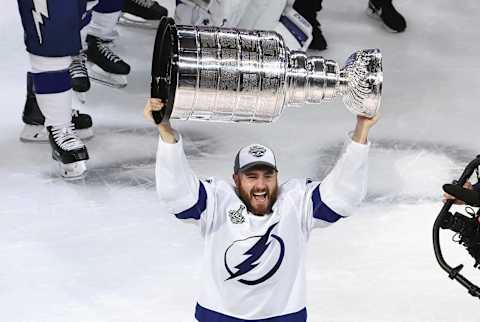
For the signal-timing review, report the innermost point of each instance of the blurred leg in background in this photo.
(309, 10)
(388, 14)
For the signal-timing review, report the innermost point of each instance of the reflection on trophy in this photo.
(231, 75)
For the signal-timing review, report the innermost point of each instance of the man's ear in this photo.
(236, 178)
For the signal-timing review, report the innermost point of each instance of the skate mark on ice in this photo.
(404, 171)
(197, 144)
(120, 161)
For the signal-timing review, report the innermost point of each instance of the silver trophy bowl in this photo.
(232, 75)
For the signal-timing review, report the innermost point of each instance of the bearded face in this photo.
(257, 188)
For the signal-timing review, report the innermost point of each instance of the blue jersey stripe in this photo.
(321, 210)
(52, 82)
(196, 210)
(298, 33)
(205, 315)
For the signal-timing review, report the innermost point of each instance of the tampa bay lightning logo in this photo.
(263, 259)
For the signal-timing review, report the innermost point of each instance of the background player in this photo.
(276, 15)
(52, 36)
(105, 66)
(110, 66)
(383, 10)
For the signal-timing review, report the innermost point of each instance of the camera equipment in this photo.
(467, 228)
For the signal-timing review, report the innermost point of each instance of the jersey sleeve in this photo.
(183, 194)
(342, 190)
(476, 186)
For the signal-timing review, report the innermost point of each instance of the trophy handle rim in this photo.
(164, 70)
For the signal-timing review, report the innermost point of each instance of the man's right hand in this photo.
(446, 196)
(167, 133)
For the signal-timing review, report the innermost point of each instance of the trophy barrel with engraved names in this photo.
(233, 75)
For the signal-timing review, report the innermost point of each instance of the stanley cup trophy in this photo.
(231, 75)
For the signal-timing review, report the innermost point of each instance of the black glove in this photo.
(470, 197)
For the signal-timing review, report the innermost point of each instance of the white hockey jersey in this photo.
(253, 266)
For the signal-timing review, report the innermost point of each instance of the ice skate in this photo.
(127, 19)
(34, 129)
(387, 14)
(104, 65)
(142, 13)
(79, 75)
(68, 150)
(108, 79)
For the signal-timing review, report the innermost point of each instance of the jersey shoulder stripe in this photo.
(198, 208)
(205, 315)
(321, 210)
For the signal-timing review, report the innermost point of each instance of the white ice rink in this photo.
(104, 250)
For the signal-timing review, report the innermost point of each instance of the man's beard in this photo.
(258, 206)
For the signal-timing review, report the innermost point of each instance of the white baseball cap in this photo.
(253, 155)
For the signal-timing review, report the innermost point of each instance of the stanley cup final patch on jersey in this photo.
(257, 151)
(236, 216)
(255, 259)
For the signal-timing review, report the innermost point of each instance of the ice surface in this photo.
(104, 250)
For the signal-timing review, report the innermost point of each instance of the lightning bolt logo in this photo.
(40, 10)
(254, 255)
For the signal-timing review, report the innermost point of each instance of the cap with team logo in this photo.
(253, 155)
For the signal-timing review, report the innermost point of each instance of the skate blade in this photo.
(130, 20)
(81, 97)
(85, 134)
(108, 79)
(73, 171)
(34, 133)
(38, 134)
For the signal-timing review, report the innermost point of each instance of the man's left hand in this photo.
(360, 135)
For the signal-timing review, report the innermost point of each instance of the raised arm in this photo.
(177, 186)
(364, 124)
(345, 186)
(167, 133)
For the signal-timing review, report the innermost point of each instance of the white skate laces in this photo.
(107, 52)
(77, 67)
(69, 151)
(66, 138)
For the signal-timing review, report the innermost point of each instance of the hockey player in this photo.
(248, 14)
(256, 231)
(34, 121)
(34, 129)
(52, 36)
(109, 69)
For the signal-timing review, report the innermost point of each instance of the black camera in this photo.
(466, 227)
(468, 232)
